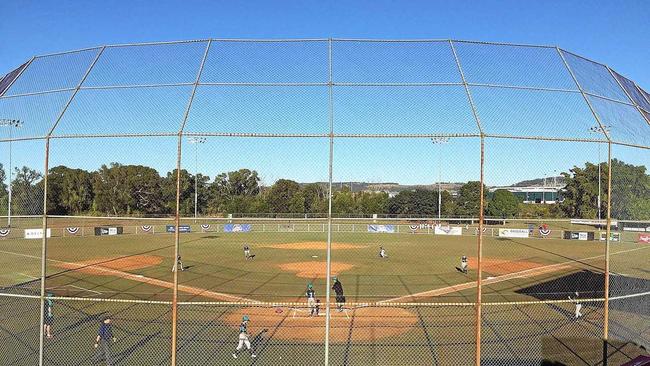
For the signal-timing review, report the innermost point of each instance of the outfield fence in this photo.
(181, 130)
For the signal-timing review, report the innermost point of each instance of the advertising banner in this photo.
(181, 228)
(448, 230)
(36, 233)
(72, 230)
(612, 236)
(381, 228)
(237, 228)
(513, 233)
(644, 238)
(579, 235)
(115, 230)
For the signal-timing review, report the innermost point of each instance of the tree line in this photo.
(124, 190)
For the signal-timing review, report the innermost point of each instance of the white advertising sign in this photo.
(36, 233)
(514, 233)
(112, 231)
(448, 230)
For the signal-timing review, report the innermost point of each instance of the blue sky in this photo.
(616, 33)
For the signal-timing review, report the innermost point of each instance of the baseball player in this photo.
(338, 289)
(317, 307)
(178, 264)
(103, 342)
(243, 338)
(578, 305)
(311, 299)
(48, 316)
(247, 251)
(382, 253)
(464, 264)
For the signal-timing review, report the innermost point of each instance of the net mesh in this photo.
(329, 191)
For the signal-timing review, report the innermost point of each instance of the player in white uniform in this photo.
(382, 253)
(178, 264)
(247, 251)
(243, 338)
(464, 263)
(578, 305)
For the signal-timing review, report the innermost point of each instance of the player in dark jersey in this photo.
(340, 297)
(311, 299)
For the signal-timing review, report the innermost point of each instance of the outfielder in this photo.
(311, 299)
(464, 264)
(578, 305)
(247, 251)
(178, 264)
(382, 253)
(243, 338)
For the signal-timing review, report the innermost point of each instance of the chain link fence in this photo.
(336, 201)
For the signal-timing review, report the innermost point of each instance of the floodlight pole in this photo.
(196, 141)
(599, 130)
(11, 123)
(439, 141)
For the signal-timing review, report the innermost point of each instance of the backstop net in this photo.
(336, 201)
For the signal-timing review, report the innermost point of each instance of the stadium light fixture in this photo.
(439, 141)
(11, 123)
(196, 141)
(604, 130)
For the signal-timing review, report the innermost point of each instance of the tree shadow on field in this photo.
(591, 284)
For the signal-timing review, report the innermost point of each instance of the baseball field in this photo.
(414, 307)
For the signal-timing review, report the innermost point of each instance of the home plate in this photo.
(314, 256)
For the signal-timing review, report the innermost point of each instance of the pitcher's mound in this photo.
(314, 269)
(296, 325)
(313, 245)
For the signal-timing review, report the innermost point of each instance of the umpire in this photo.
(104, 341)
(338, 289)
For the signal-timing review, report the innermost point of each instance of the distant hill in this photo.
(539, 182)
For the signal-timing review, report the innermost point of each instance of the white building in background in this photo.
(534, 194)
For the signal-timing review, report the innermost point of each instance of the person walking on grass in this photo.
(104, 341)
(48, 316)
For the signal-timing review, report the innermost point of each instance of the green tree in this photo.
(280, 195)
(128, 189)
(27, 192)
(70, 191)
(468, 202)
(503, 204)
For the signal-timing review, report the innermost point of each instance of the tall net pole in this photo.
(329, 207)
(607, 242)
(41, 346)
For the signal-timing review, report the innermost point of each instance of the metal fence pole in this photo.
(41, 344)
(176, 245)
(479, 260)
(329, 206)
(607, 240)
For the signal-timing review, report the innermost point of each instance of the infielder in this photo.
(247, 251)
(578, 305)
(48, 316)
(464, 264)
(338, 289)
(382, 253)
(103, 342)
(311, 299)
(243, 338)
(178, 264)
